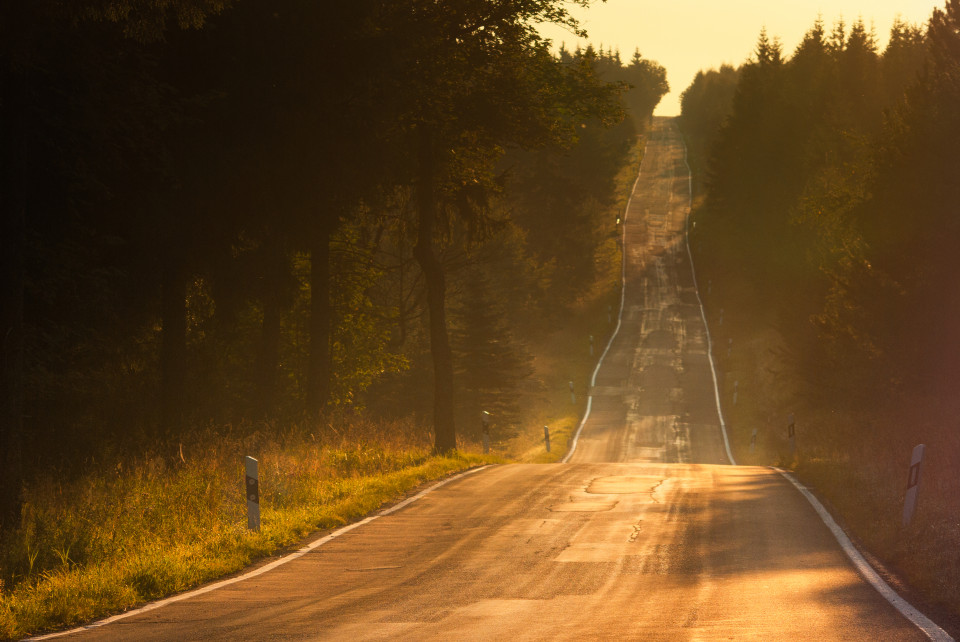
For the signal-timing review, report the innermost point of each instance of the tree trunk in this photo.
(173, 344)
(319, 367)
(268, 358)
(444, 430)
(13, 190)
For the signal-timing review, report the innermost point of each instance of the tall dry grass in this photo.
(853, 451)
(864, 481)
(134, 528)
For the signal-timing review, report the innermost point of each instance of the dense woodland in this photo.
(220, 211)
(831, 175)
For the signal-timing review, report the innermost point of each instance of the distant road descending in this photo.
(647, 535)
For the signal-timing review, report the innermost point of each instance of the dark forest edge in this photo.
(264, 216)
(327, 236)
(826, 232)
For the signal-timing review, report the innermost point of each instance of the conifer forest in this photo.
(362, 240)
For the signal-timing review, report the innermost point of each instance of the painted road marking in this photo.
(623, 289)
(616, 330)
(921, 621)
(263, 569)
(703, 314)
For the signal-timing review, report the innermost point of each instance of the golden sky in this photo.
(688, 35)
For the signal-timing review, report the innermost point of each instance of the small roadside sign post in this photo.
(252, 487)
(792, 432)
(546, 437)
(913, 481)
(485, 428)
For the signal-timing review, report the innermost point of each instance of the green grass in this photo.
(563, 355)
(130, 532)
(866, 485)
(854, 453)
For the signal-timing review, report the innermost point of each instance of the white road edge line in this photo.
(616, 330)
(263, 569)
(925, 624)
(921, 621)
(703, 314)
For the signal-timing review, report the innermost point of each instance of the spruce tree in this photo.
(491, 365)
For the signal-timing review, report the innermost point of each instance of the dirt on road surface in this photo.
(647, 534)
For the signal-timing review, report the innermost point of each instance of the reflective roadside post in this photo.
(252, 487)
(485, 428)
(591, 345)
(736, 388)
(792, 432)
(546, 437)
(913, 481)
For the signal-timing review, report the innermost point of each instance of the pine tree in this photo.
(491, 365)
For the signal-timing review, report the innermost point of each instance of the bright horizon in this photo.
(686, 36)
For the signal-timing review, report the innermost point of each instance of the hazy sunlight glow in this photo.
(686, 36)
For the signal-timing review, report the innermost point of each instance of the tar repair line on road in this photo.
(623, 290)
(616, 330)
(703, 314)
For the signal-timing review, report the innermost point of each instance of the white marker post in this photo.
(485, 428)
(253, 492)
(546, 437)
(729, 346)
(792, 433)
(591, 345)
(736, 388)
(913, 480)
(573, 398)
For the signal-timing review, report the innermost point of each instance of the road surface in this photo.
(647, 534)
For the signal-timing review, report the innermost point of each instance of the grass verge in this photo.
(563, 355)
(853, 452)
(131, 532)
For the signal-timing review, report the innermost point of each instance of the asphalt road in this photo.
(648, 534)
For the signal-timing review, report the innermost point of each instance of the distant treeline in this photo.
(228, 210)
(831, 180)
